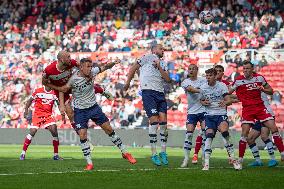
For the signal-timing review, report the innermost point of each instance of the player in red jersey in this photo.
(42, 117)
(248, 88)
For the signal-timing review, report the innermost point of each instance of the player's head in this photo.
(192, 70)
(157, 49)
(211, 75)
(248, 69)
(220, 72)
(86, 65)
(64, 58)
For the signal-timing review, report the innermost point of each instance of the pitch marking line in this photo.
(112, 170)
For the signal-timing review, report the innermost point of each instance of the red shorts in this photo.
(42, 121)
(66, 96)
(252, 113)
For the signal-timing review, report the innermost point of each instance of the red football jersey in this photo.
(43, 101)
(57, 77)
(246, 89)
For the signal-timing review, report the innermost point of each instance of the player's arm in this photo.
(27, 106)
(109, 65)
(131, 74)
(164, 73)
(63, 88)
(227, 100)
(267, 89)
(192, 89)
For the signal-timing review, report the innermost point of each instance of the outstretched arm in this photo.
(131, 74)
(267, 89)
(109, 65)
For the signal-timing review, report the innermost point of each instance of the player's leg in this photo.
(269, 146)
(200, 139)
(223, 128)
(248, 118)
(276, 136)
(163, 137)
(162, 109)
(151, 109)
(100, 119)
(27, 142)
(254, 133)
(55, 141)
(243, 141)
(211, 127)
(190, 127)
(81, 118)
(70, 114)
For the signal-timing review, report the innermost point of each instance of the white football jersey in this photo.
(193, 99)
(150, 76)
(266, 103)
(215, 95)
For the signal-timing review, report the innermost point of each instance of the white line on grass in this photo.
(112, 170)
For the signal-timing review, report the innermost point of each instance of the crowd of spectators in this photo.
(28, 28)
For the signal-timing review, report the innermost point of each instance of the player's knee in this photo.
(153, 127)
(163, 125)
(264, 138)
(225, 134)
(210, 135)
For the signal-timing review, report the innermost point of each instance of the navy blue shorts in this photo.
(257, 126)
(82, 116)
(154, 102)
(194, 118)
(213, 121)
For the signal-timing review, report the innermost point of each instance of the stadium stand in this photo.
(31, 32)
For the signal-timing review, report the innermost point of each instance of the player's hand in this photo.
(156, 64)
(62, 112)
(126, 86)
(261, 88)
(224, 103)
(205, 102)
(108, 95)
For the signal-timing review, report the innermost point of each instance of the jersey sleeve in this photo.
(141, 60)
(224, 90)
(71, 81)
(234, 85)
(263, 81)
(34, 94)
(95, 71)
(74, 63)
(184, 84)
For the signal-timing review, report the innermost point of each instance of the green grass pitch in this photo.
(39, 171)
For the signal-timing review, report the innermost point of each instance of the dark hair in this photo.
(211, 71)
(219, 66)
(193, 65)
(83, 60)
(246, 62)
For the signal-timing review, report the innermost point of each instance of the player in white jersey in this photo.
(259, 130)
(153, 73)
(216, 100)
(85, 108)
(195, 112)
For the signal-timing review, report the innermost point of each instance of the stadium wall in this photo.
(133, 137)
